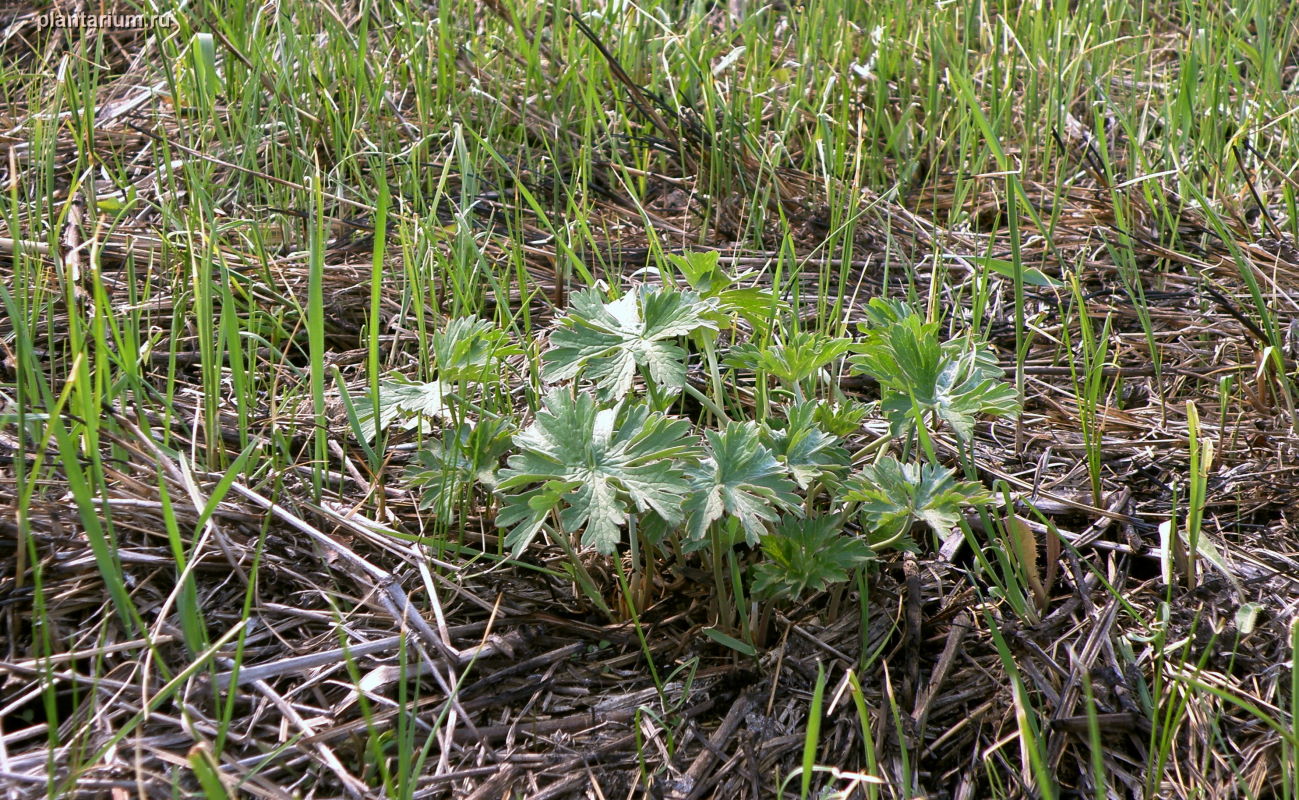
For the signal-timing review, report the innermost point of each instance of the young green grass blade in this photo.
(97, 521)
(1290, 749)
(188, 607)
(1032, 745)
(208, 773)
(869, 749)
(316, 337)
(373, 323)
(812, 737)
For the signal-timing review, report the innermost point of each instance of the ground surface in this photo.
(193, 286)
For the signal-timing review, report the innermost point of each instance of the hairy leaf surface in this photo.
(591, 465)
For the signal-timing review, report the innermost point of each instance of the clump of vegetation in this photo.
(611, 453)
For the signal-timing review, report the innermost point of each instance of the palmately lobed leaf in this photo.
(799, 357)
(841, 418)
(807, 554)
(720, 291)
(609, 459)
(470, 349)
(411, 404)
(525, 514)
(893, 495)
(667, 312)
(807, 451)
(742, 478)
(971, 383)
(606, 342)
(956, 380)
(465, 454)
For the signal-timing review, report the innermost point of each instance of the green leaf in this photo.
(606, 342)
(470, 349)
(901, 352)
(756, 306)
(882, 312)
(1032, 277)
(465, 455)
(598, 463)
(840, 419)
(965, 385)
(955, 380)
(701, 271)
(207, 773)
(204, 72)
(411, 403)
(894, 496)
(807, 554)
(525, 514)
(808, 452)
(1247, 617)
(802, 356)
(971, 383)
(742, 478)
(731, 642)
